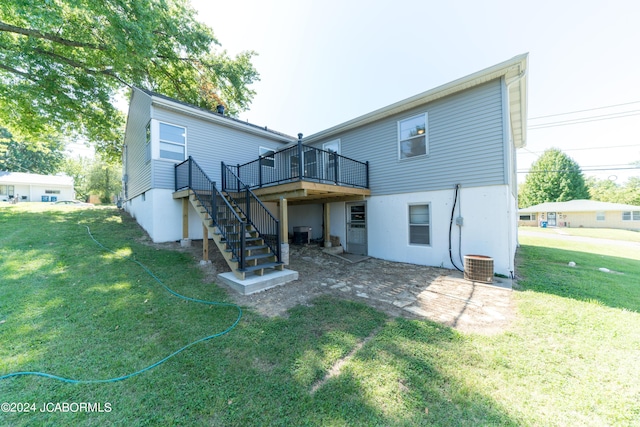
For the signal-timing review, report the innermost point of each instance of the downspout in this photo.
(509, 141)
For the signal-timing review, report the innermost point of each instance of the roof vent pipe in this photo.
(220, 109)
(299, 137)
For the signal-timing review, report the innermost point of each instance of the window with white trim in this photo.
(3, 190)
(528, 217)
(267, 157)
(51, 191)
(413, 139)
(600, 216)
(631, 216)
(173, 142)
(419, 225)
(147, 147)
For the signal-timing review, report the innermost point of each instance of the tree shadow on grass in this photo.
(547, 270)
(260, 374)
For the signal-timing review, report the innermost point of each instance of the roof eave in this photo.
(218, 119)
(508, 69)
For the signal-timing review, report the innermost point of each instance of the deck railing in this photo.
(283, 166)
(267, 226)
(189, 175)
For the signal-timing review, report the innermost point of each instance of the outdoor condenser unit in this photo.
(478, 268)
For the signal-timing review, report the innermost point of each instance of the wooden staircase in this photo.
(259, 259)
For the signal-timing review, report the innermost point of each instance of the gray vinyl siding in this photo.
(209, 144)
(466, 145)
(138, 170)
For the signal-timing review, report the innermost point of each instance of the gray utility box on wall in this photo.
(301, 235)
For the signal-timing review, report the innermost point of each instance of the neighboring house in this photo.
(31, 187)
(386, 183)
(581, 213)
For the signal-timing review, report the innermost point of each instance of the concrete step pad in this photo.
(253, 284)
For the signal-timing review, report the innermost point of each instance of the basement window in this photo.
(419, 225)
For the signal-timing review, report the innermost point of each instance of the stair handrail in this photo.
(196, 186)
(272, 224)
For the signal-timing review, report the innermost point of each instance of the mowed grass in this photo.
(598, 233)
(69, 308)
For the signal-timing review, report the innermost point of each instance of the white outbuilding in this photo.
(31, 187)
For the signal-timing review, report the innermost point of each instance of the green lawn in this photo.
(68, 307)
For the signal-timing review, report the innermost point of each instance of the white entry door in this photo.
(357, 228)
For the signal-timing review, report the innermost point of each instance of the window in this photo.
(631, 216)
(528, 217)
(599, 216)
(267, 157)
(173, 141)
(3, 190)
(51, 191)
(419, 225)
(147, 146)
(412, 137)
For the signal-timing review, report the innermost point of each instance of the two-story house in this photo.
(426, 180)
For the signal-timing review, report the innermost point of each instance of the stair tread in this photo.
(261, 266)
(259, 256)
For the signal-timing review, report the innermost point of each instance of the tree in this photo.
(105, 180)
(63, 63)
(43, 157)
(554, 177)
(605, 190)
(79, 169)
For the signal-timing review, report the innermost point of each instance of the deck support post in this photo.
(185, 217)
(284, 230)
(205, 244)
(185, 242)
(327, 225)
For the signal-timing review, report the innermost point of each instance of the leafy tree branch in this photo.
(64, 64)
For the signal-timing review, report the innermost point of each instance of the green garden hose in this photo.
(158, 363)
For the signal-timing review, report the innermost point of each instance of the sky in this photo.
(322, 63)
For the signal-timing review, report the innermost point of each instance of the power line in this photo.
(587, 148)
(582, 111)
(581, 170)
(586, 120)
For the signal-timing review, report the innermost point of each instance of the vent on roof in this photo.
(220, 109)
(478, 268)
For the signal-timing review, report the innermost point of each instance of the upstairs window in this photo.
(267, 157)
(173, 142)
(413, 137)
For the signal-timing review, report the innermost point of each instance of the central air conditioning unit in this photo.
(478, 268)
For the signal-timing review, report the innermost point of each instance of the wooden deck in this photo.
(303, 192)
